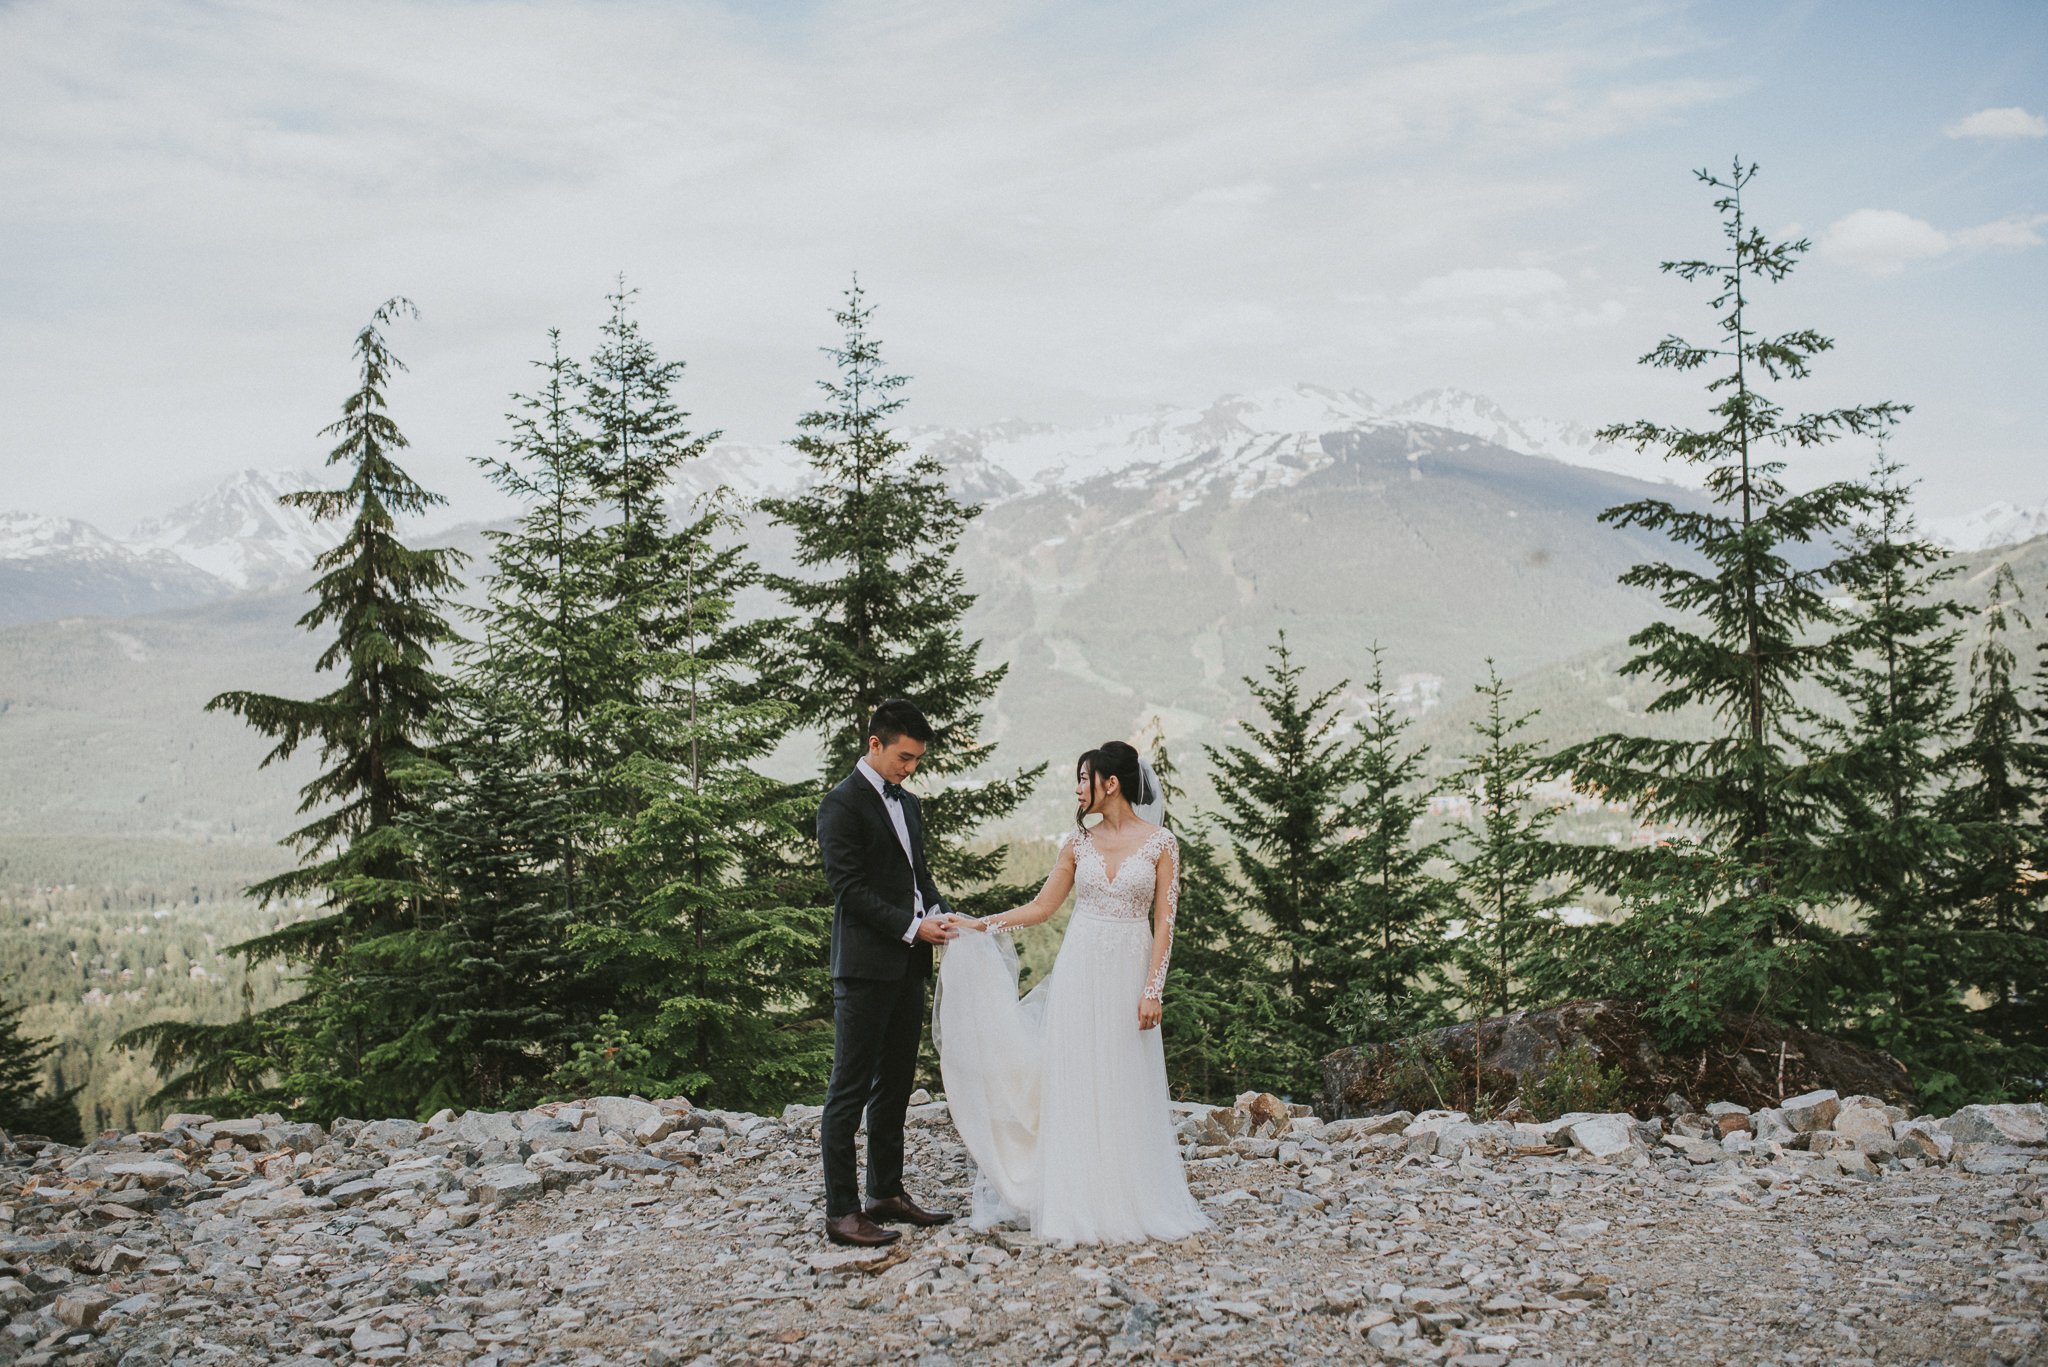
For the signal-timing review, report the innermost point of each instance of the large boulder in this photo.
(1999, 1125)
(502, 1184)
(1811, 1111)
(621, 1114)
(1751, 1061)
(1603, 1136)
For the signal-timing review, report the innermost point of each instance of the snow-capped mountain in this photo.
(239, 532)
(31, 536)
(1997, 524)
(58, 567)
(1276, 436)
(238, 537)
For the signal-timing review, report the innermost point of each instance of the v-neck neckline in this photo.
(1107, 875)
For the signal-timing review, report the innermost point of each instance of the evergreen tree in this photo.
(638, 439)
(25, 1108)
(714, 961)
(1509, 951)
(1751, 612)
(384, 601)
(484, 982)
(547, 646)
(1225, 1022)
(1399, 905)
(1288, 813)
(1879, 770)
(880, 602)
(2001, 786)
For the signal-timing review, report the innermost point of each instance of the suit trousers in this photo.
(876, 1024)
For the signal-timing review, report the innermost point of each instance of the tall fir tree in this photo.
(1878, 766)
(880, 601)
(1399, 904)
(1997, 801)
(1508, 882)
(1288, 812)
(647, 702)
(384, 601)
(547, 644)
(714, 961)
(638, 438)
(1225, 1022)
(1751, 612)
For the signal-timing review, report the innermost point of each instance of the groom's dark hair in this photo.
(895, 719)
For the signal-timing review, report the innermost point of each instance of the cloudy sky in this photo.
(1061, 210)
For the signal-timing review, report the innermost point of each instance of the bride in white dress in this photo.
(1061, 1097)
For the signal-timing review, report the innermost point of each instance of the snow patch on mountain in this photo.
(240, 533)
(1996, 524)
(32, 536)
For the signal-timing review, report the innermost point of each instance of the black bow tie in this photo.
(892, 791)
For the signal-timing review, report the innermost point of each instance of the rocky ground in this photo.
(1827, 1230)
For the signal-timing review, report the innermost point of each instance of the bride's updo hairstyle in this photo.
(1112, 759)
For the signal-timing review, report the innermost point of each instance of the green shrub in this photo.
(1572, 1080)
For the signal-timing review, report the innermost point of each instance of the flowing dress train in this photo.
(1060, 1097)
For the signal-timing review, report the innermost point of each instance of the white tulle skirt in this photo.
(1060, 1098)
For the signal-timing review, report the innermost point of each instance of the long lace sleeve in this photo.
(1165, 909)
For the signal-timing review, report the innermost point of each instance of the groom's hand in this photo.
(936, 930)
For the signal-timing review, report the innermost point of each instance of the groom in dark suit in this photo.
(886, 916)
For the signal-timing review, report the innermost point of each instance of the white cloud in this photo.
(1882, 241)
(1491, 285)
(1886, 241)
(2006, 232)
(2010, 121)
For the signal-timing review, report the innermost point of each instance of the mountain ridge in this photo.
(237, 537)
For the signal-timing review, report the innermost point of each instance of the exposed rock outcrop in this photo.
(1753, 1061)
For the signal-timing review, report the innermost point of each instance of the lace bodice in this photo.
(1130, 893)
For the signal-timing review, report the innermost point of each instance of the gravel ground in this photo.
(705, 1245)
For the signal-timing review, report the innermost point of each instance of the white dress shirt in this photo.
(902, 838)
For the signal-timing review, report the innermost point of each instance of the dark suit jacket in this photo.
(871, 882)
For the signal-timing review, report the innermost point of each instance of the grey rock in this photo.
(1365, 1127)
(621, 1114)
(485, 1127)
(1856, 1123)
(656, 1128)
(81, 1308)
(1924, 1139)
(248, 1128)
(1696, 1150)
(295, 1136)
(634, 1163)
(1992, 1160)
(502, 1185)
(367, 1338)
(1770, 1126)
(2011, 1124)
(1603, 1136)
(1385, 1337)
(1811, 1111)
(389, 1134)
(150, 1172)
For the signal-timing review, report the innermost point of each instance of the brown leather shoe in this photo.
(903, 1210)
(859, 1231)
